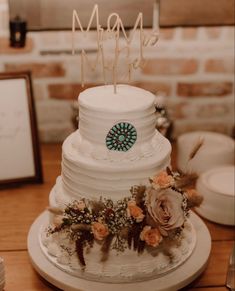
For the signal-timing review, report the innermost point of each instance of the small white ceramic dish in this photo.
(217, 150)
(217, 188)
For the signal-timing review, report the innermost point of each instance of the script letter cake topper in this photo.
(113, 31)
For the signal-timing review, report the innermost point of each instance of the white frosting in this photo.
(84, 176)
(100, 109)
(127, 100)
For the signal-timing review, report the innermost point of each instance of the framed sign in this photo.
(19, 147)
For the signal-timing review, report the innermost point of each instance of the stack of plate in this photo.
(2, 274)
(217, 150)
(217, 187)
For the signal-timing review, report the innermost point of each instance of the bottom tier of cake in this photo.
(127, 266)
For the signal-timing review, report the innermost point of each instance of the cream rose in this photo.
(162, 180)
(151, 236)
(99, 230)
(165, 209)
(135, 211)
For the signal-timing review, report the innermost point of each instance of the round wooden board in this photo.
(174, 280)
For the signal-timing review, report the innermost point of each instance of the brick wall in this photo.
(3, 15)
(193, 67)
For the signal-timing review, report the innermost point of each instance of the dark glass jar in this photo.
(18, 30)
(163, 123)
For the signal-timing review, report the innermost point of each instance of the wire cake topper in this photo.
(114, 30)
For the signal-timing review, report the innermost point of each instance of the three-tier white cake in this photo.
(116, 147)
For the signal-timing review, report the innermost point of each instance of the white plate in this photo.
(217, 188)
(217, 150)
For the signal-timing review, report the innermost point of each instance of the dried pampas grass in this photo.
(186, 180)
(194, 198)
(199, 143)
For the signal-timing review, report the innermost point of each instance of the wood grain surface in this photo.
(19, 207)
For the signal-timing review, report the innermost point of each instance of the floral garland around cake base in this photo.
(151, 217)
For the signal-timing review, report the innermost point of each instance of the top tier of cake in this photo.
(127, 99)
(121, 122)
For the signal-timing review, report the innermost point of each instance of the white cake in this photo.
(116, 147)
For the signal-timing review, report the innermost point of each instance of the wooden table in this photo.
(20, 206)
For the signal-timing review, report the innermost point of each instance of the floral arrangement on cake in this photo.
(150, 217)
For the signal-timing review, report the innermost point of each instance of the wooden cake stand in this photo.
(174, 280)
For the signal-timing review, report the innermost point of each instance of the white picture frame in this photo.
(19, 146)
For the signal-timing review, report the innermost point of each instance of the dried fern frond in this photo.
(140, 194)
(97, 206)
(106, 247)
(80, 251)
(86, 239)
(141, 247)
(130, 238)
(124, 233)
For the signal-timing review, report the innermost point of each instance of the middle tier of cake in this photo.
(83, 176)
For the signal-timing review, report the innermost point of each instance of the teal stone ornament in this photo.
(121, 137)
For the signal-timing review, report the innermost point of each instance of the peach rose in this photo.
(165, 209)
(135, 211)
(99, 230)
(151, 236)
(162, 180)
(80, 205)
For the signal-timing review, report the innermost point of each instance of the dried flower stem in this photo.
(196, 148)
